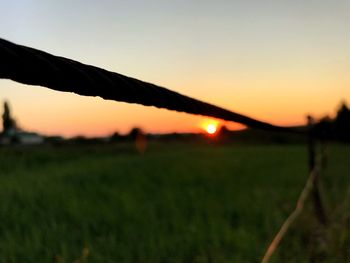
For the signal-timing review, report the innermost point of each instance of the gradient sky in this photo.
(272, 60)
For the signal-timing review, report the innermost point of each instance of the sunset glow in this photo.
(275, 61)
(211, 128)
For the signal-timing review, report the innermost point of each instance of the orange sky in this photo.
(274, 61)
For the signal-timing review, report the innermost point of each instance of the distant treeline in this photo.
(333, 129)
(338, 128)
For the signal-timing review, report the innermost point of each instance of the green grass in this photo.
(176, 203)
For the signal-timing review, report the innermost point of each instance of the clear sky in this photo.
(272, 60)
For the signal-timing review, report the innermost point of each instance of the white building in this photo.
(21, 137)
(29, 138)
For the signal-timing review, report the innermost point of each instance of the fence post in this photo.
(316, 196)
(323, 145)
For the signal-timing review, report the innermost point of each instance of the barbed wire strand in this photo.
(293, 216)
(35, 67)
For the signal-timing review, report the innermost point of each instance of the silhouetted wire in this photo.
(31, 66)
(293, 216)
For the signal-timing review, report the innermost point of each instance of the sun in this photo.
(211, 128)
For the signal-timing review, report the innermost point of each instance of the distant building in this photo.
(11, 134)
(21, 137)
(29, 138)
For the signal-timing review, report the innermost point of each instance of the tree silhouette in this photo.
(7, 121)
(134, 133)
(342, 123)
(139, 137)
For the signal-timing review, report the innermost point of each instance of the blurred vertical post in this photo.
(324, 161)
(316, 196)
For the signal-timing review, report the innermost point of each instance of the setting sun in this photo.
(211, 128)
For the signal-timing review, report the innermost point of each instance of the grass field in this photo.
(175, 203)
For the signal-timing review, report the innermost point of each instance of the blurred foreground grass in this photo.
(175, 203)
